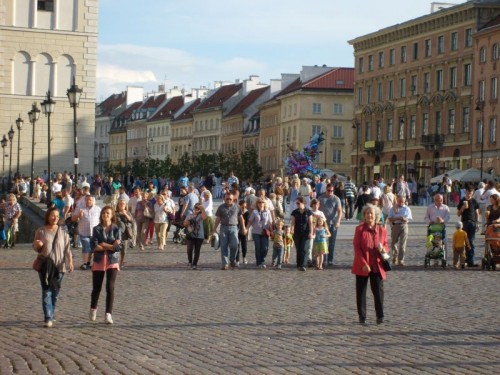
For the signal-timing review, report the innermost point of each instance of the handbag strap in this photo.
(55, 239)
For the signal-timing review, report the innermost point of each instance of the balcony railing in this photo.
(433, 141)
(374, 147)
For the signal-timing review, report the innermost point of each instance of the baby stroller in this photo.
(492, 248)
(179, 234)
(436, 245)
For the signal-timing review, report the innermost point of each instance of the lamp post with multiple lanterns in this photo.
(74, 93)
(19, 124)
(33, 115)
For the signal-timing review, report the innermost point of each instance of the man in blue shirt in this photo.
(399, 216)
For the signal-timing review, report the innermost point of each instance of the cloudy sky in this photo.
(192, 43)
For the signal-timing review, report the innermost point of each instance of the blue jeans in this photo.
(49, 298)
(470, 229)
(228, 244)
(331, 243)
(261, 247)
(278, 255)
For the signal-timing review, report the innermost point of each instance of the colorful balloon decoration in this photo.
(302, 162)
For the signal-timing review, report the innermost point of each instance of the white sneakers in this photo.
(108, 319)
(48, 324)
(92, 314)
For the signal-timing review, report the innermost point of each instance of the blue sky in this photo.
(192, 43)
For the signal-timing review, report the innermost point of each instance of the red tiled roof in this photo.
(188, 112)
(128, 112)
(111, 103)
(337, 78)
(154, 101)
(220, 96)
(170, 107)
(291, 87)
(247, 101)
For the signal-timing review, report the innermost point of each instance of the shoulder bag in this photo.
(38, 262)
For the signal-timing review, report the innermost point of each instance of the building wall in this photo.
(42, 51)
(207, 131)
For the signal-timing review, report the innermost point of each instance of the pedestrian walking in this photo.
(195, 234)
(399, 216)
(260, 221)
(302, 229)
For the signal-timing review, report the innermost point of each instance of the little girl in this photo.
(278, 243)
(320, 244)
(288, 243)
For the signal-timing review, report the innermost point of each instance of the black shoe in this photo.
(362, 321)
(473, 265)
(380, 320)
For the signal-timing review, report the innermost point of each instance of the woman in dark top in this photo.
(302, 229)
(339, 191)
(363, 200)
(493, 210)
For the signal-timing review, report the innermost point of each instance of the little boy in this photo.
(278, 243)
(288, 243)
(460, 244)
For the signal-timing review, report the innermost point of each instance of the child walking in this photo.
(288, 242)
(278, 243)
(460, 244)
(320, 244)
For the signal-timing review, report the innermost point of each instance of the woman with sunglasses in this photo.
(194, 240)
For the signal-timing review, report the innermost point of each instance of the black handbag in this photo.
(386, 265)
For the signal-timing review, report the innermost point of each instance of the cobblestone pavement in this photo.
(171, 320)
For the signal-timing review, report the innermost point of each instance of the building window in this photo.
(389, 129)
(390, 90)
(401, 130)
(337, 131)
(47, 5)
(380, 91)
(440, 45)
(493, 130)
(481, 90)
(381, 59)
(479, 135)
(403, 54)
(453, 77)
(439, 80)
(392, 57)
(427, 48)
(454, 41)
(360, 96)
(413, 127)
(482, 54)
(494, 88)
(438, 118)
(468, 38)
(427, 83)
(413, 86)
(316, 129)
(378, 131)
(361, 67)
(415, 51)
(336, 156)
(494, 51)
(467, 75)
(402, 87)
(368, 94)
(316, 108)
(338, 109)
(370, 63)
(451, 121)
(368, 130)
(465, 120)
(425, 123)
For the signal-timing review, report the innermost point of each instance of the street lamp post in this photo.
(356, 126)
(480, 108)
(19, 124)
(33, 115)
(48, 106)
(404, 122)
(11, 137)
(74, 93)
(4, 144)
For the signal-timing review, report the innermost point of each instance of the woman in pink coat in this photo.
(367, 264)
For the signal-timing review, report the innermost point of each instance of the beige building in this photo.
(43, 45)
(414, 97)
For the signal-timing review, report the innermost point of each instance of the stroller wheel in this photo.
(443, 263)
(493, 266)
(483, 264)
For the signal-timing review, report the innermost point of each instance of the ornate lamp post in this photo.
(74, 93)
(19, 124)
(4, 144)
(11, 137)
(33, 115)
(480, 108)
(48, 106)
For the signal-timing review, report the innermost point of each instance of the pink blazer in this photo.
(364, 239)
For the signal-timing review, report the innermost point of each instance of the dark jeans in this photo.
(331, 244)
(242, 246)
(97, 279)
(300, 241)
(194, 247)
(50, 296)
(377, 286)
(470, 229)
(349, 209)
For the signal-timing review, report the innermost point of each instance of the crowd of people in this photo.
(285, 213)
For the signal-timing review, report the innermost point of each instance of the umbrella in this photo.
(471, 175)
(438, 179)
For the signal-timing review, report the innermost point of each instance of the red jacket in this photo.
(365, 240)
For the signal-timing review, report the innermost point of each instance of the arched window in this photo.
(65, 72)
(494, 51)
(482, 54)
(44, 71)
(21, 74)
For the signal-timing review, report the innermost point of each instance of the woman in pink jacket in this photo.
(369, 238)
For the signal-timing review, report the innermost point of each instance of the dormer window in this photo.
(47, 5)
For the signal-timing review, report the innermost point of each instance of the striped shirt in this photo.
(350, 189)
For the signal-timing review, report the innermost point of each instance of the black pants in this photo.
(193, 248)
(242, 246)
(377, 286)
(349, 209)
(97, 279)
(300, 247)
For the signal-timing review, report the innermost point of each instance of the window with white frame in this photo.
(425, 123)
(316, 108)
(427, 82)
(390, 89)
(413, 127)
(368, 131)
(467, 74)
(378, 131)
(479, 136)
(451, 121)
(453, 77)
(481, 90)
(316, 129)
(494, 51)
(337, 131)
(380, 91)
(468, 37)
(438, 120)
(494, 88)
(440, 44)
(493, 130)
(336, 156)
(482, 54)
(370, 63)
(439, 80)
(402, 87)
(401, 130)
(427, 48)
(465, 120)
(360, 96)
(338, 108)
(403, 54)
(381, 59)
(368, 94)
(454, 41)
(392, 57)
(361, 63)
(389, 129)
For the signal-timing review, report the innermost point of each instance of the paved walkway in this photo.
(171, 320)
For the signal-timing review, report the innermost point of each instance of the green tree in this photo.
(251, 170)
